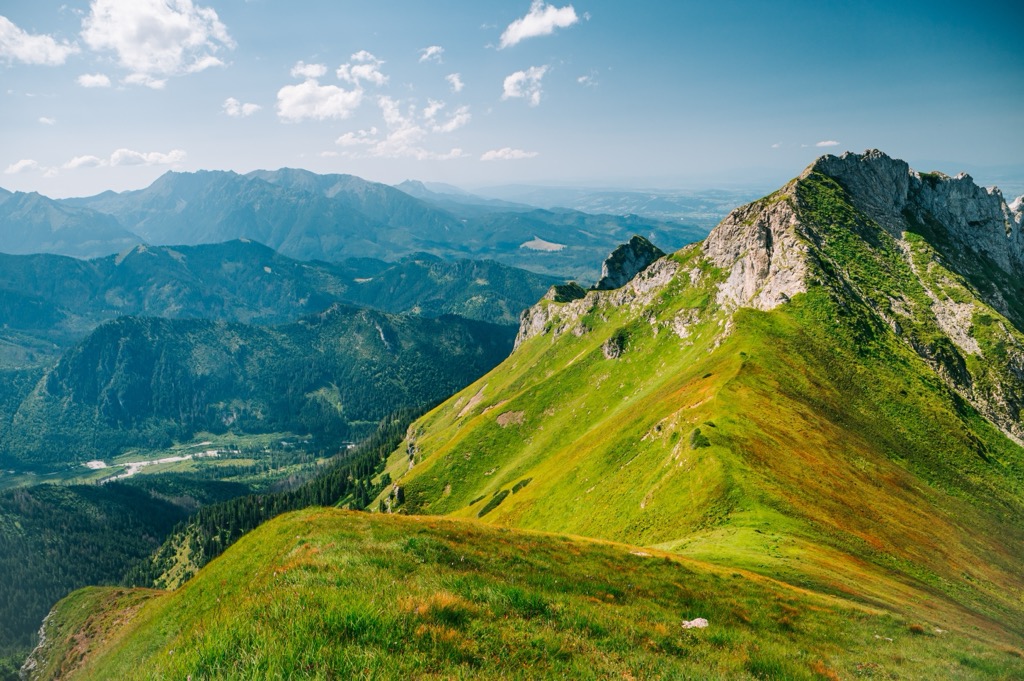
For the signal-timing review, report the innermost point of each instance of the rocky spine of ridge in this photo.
(772, 249)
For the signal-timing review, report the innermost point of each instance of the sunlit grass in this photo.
(331, 594)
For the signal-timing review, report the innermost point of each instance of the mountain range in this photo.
(323, 217)
(795, 448)
(149, 382)
(48, 302)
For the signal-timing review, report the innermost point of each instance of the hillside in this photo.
(332, 594)
(54, 539)
(49, 302)
(32, 223)
(146, 382)
(828, 391)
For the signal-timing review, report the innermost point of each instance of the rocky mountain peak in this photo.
(626, 261)
(878, 185)
(891, 193)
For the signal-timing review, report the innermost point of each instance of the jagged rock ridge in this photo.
(959, 246)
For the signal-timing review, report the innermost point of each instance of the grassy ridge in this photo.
(332, 594)
(818, 442)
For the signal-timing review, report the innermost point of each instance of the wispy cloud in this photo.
(541, 20)
(23, 166)
(363, 67)
(433, 53)
(525, 84)
(126, 157)
(236, 109)
(46, 120)
(130, 157)
(309, 100)
(408, 132)
(455, 82)
(313, 101)
(507, 154)
(156, 39)
(304, 70)
(28, 48)
(93, 80)
(777, 145)
(827, 143)
(84, 162)
(589, 80)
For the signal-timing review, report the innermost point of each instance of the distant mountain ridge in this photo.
(50, 301)
(146, 382)
(308, 216)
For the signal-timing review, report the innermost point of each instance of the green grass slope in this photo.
(837, 441)
(334, 594)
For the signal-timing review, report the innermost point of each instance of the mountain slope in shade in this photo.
(827, 390)
(145, 382)
(48, 302)
(32, 223)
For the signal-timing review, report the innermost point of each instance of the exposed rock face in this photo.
(888, 191)
(557, 319)
(626, 261)
(758, 245)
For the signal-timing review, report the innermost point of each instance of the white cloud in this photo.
(432, 53)
(155, 39)
(507, 154)
(22, 166)
(129, 157)
(525, 84)
(84, 162)
(827, 143)
(777, 145)
(93, 80)
(587, 81)
(45, 120)
(18, 45)
(310, 100)
(145, 79)
(455, 82)
(304, 70)
(431, 110)
(541, 20)
(358, 138)
(457, 120)
(363, 67)
(407, 132)
(234, 108)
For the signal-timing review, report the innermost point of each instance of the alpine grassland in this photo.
(819, 442)
(327, 594)
(792, 451)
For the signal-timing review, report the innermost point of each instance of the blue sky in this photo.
(112, 93)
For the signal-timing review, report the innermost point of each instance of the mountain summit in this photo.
(828, 389)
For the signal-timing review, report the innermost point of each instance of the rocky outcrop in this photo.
(889, 192)
(758, 246)
(626, 261)
(549, 317)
